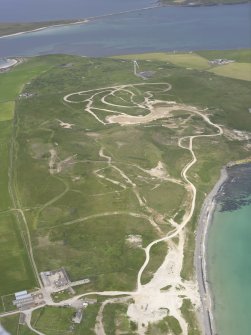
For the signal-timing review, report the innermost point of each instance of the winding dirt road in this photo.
(149, 292)
(151, 300)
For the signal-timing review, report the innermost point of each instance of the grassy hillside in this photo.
(199, 60)
(88, 189)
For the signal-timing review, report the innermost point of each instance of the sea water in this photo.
(160, 29)
(45, 10)
(229, 255)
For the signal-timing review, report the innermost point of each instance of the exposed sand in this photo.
(152, 303)
(134, 241)
(9, 64)
(159, 171)
(65, 125)
(156, 112)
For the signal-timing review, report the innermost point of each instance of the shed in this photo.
(19, 294)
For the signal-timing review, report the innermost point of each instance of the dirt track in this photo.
(150, 300)
(149, 297)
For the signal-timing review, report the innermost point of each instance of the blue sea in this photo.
(229, 255)
(160, 29)
(44, 10)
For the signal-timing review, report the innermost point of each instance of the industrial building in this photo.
(23, 300)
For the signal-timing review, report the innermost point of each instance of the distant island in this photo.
(201, 2)
(11, 28)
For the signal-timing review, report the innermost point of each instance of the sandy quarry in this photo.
(156, 112)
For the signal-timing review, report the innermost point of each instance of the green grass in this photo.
(7, 302)
(5, 135)
(234, 70)
(240, 56)
(157, 256)
(113, 265)
(64, 210)
(166, 326)
(187, 60)
(54, 320)
(13, 81)
(187, 311)
(62, 295)
(14, 261)
(11, 324)
(6, 111)
(204, 175)
(115, 320)
(165, 198)
(241, 69)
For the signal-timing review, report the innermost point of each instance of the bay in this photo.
(159, 29)
(46, 10)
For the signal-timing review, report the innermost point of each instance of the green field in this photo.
(92, 195)
(11, 324)
(115, 320)
(240, 69)
(6, 111)
(166, 326)
(234, 70)
(14, 261)
(240, 56)
(188, 60)
(54, 320)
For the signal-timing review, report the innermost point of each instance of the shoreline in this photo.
(205, 219)
(208, 4)
(86, 20)
(7, 65)
(93, 18)
(14, 62)
(45, 27)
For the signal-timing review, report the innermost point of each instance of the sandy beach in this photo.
(206, 317)
(9, 63)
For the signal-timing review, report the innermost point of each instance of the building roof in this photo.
(24, 297)
(18, 294)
